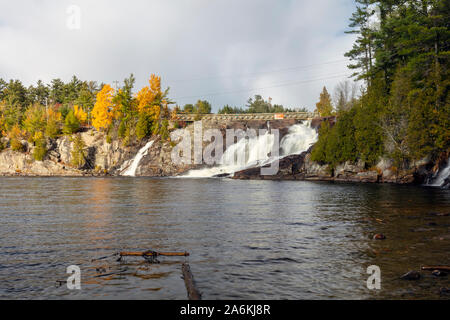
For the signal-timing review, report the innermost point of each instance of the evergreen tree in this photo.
(71, 123)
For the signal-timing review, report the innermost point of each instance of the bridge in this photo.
(248, 116)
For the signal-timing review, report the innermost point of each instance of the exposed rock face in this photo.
(301, 167)
(101, 158)
(294, 167)
(16, 163)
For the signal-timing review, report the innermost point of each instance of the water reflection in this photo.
(302, 240)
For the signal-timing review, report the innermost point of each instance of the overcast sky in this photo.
(223, 51)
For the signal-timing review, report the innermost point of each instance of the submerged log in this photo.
(153, 254)
(192, 291)
(432, 268)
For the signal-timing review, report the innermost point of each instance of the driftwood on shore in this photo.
(432, 268)
(192, 291)
(153, 254)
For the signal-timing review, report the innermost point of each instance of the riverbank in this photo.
(112, 158)
(301, 167)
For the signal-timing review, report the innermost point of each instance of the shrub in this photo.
(164, 131)
(16, 145)
(40, 150)
(122, 129)
(71, 123)
(79, 152)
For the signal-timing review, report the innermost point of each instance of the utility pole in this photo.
(116, 83)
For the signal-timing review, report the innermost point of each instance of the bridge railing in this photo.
(249, 116)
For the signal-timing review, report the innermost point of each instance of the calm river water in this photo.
(247, 239)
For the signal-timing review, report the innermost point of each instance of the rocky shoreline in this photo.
(301, 167)
(112, 159)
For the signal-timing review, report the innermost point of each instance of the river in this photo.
(247, 239)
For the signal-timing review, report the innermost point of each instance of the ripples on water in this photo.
(247, 239)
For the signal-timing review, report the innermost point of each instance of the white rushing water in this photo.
(131, 171)
(442, 174)
(257, 149)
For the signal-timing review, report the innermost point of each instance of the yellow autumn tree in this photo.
(53, 126)
(324, 106)
(103, 112)
(149, 98)
(80, 114)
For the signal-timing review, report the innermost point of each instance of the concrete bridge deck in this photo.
(248, 116)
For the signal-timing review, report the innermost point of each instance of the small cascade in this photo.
(131, 171)
(441, 179)
(299, 139)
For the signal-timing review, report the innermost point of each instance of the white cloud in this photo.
(214, 39)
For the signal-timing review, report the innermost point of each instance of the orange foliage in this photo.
(80, 114)
(103, 112)
(149, 96)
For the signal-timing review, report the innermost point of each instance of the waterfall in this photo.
(442, 175)
(257, 149)
(131, 171)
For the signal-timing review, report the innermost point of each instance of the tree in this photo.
(40, 149)
(202, 107)
(71, 123)
(57, 91)
(362, 51)
(38, 94)
(80, 114)
(344, 96)
(230, 110)
(124, 101)
(324, 106)
(189, 108)
(53, 126)
(103, 112)
(34, 119)
(15, 135)
(153, 104)
(78, 152)
(143, 127)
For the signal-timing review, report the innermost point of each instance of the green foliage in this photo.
(164, 131)
(324, 106)
(121, 132)
(202, 107)
(337, 144)
(124, 98)
(52, 128)
(189, 108)
(71, 123)
(259, 105)
(79, 151)
(34, 119)
(40, 149)
(404, 109)
(143, 127)
(231, 110)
